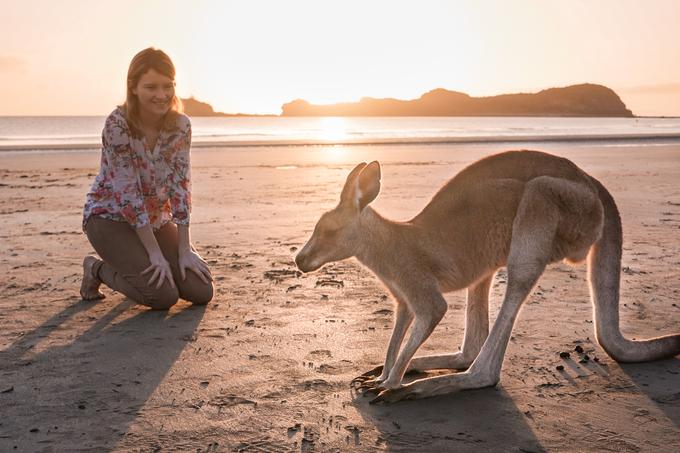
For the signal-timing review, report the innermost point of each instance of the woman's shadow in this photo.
(86, 393)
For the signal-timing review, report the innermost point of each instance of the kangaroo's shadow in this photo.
(475, 420)
(87, 392)
(659, 381)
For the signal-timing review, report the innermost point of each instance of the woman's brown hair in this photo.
(141, 63)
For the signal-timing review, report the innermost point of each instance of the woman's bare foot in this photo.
(89, 289)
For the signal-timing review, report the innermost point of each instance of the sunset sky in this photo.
(71, 57)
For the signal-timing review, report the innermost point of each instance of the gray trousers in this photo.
(124, 258)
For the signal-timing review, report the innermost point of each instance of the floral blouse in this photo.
(139, 185)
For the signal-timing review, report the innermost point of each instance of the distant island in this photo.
(576, 100)
(585, 100)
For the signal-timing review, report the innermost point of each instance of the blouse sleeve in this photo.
(123, 168)
(180, 196)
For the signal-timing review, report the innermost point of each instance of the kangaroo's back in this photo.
(521, 166)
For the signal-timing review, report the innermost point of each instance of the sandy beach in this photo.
(266, 366)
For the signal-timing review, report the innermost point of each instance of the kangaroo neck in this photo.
(378, 236)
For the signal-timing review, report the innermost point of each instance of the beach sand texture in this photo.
(266, 366)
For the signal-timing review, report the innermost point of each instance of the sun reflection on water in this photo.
(333, 129)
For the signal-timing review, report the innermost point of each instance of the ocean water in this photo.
(84, 132)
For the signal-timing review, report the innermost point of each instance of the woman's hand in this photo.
(189, 259)
(161, 270)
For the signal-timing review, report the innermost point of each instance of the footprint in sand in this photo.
(329, 282)
(279, 275)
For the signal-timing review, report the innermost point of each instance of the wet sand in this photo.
(267, 365)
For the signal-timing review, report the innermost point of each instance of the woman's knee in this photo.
(161, 299)
(199, 294)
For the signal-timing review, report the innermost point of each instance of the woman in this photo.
(137, 212)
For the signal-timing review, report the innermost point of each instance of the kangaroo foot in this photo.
(437, 385)
(406, 392)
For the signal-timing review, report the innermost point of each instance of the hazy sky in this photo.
(71, 57)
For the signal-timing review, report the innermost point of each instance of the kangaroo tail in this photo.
(604, 275)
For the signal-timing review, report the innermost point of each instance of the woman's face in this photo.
(154, 92)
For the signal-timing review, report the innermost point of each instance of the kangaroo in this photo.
(519, 209)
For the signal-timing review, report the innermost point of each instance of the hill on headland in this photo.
(576, 100)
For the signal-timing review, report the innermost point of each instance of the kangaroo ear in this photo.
(368, 185)
(350, 186)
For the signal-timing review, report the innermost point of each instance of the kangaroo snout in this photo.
(300, 262)
(303, 261)
(304, 264)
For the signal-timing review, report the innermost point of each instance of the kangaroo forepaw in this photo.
(369, 375)
(369, 385)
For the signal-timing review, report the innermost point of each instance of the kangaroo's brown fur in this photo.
(520, 209)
